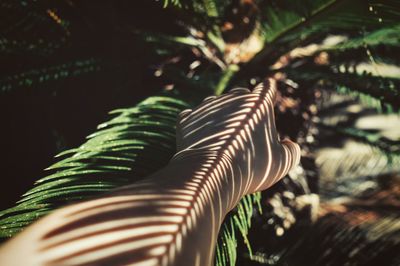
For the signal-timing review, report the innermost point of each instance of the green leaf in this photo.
(48, 74)
(389, 147)
(388, 36)
(289, 24)
(136, 142)
(236, 226)
(379, 92)
(32, 28)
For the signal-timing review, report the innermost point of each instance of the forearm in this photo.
(171, 218)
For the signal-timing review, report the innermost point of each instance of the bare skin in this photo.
(227, 147)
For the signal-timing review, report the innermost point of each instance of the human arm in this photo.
(227, 147)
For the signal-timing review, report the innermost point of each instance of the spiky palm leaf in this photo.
(136, 142)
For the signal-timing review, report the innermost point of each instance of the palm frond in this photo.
(289, 24)
(348, 235)
(379, 89)
(372, 138)
(351, 167)
(358, 145)
(32, 28)
(172, 2)
(382, 94)
(321, 16)
(385, 36)
(121, 151)
(49, 74)
(238, 220)
(203, 17)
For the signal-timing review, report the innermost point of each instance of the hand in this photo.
(241, 125)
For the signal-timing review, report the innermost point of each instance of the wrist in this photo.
(216, 172)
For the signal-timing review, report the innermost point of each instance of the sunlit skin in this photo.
(227, 147)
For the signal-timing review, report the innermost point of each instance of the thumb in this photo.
(291, 153)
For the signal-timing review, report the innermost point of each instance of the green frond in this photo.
(236, 226)
(48, 74)
(372, 89)
(354, 236)
(288, 20)
(353, 168)
(171, 40)
(386, 36)
(136, 142)
(367, 100)
(205, 18)
(32, 27)
(278, 18)
(208, 8)
(359, 146)
(226, 77)
(172, 2)
(290, 24)
(165, 45)
(388, 147)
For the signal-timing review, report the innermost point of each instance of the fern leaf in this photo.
(389, 147)
(386, 36)
(122, 150)
(289, 24)
(383, 90)
(48, 74)
(238, 220)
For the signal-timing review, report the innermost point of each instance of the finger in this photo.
(209, 98)
(268, 89)
(291, 154)
(184, 113)
(239, 90)
(290, 157)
